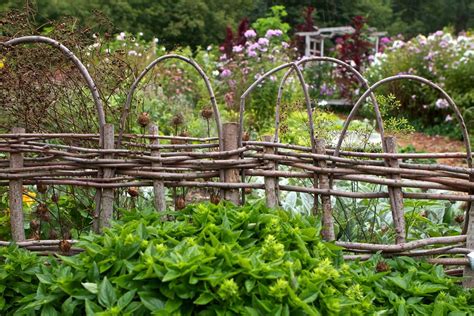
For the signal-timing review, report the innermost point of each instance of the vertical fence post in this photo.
(327, 219)
(270, 182)
(468, 273)
(395, 193)
(231, 134)
(158, 185)
(16, 194)
(108, 193)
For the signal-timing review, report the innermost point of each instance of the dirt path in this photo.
(435, 144)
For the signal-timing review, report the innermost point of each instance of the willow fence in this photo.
(118, 160)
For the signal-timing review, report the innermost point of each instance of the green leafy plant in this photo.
(220, 260)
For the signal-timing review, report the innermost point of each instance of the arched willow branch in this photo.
(354, 71)
(126, 108)
(414, 78)
(292, 66)
(82, 69)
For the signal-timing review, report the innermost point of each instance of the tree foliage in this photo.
(202, 22)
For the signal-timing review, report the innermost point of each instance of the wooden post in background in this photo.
(158, 185)
(270, 182)
(107, 194)
(231, 134)
(395, 193)
(16, 194)
(327, 219)
(468, 274)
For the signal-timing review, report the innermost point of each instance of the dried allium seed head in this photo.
(42, 208)
(207, 113)
(53, 234)
(34, 224)
(143, 119)
(382, 266)
(65, 246)
(42, 188)
(133, 192)
(215, 199)
(184, 134)
(459, 219)
(177, 119)
(245, 136)
(180, 203)
(248, 190)
(55, 198)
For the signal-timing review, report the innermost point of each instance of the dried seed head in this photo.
(53, 234)
(245, 136)
(459, 219)
(34, 224)
(143, 119)
(184, 134)
(207, 113)
(382, 266)
(248, 190)
(215, 199)
(41, 209)
(177, 119)
(133, 192)
(55, 198)
(42, 188)
(180, 203)
(65, 246)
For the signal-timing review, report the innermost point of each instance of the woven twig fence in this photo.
(225, 162)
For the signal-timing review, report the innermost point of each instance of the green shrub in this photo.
(220, 260)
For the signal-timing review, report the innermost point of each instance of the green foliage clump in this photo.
(220, 260)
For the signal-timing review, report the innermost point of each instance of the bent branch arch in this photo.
(82, 69)
(203, 75)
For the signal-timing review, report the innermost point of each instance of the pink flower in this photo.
(285, 45)
(250, 33)
(251, 53)
(439, 33)
(263, 41)
(226, 73)
(223, 58)
(448, 118)
(385, 40)
(271, 33)
(237, 49)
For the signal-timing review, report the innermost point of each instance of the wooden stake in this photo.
(106, 213)
(270, 182)
(16, 194)
(327, 220)
(395, 193)
(231, 141)
(158, 185)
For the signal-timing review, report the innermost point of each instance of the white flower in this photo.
(448, 118)
(209, 47)
(140, 34)
(121, 36)
(132, 53)
(442, 104)
(323, 103)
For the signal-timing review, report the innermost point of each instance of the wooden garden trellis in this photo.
(119, 160)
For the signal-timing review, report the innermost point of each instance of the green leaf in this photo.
(107, 296)
(204, 299)
(171, 275)
(151, 302)
(91, 287)
(125, 299)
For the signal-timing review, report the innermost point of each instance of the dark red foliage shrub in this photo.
(239, 39)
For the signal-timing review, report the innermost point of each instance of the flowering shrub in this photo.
(441, 57)
(248, 62)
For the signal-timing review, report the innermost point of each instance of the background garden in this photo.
(258, 262)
